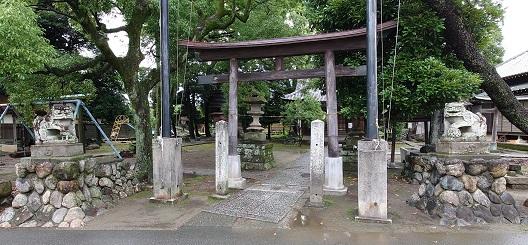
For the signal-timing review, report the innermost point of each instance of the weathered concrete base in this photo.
(372, 180)
(172, 201)
(334, 177)
(373, 220)
(255, 136)
(57, 150)
(235, 175)
(462, 147)
(167, 169)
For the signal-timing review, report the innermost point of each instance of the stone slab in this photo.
(517, 180)
(317, 163)
(269, 204)
(57, 150)
(372, 180)
(450, 147)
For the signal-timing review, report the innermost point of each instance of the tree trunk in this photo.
(188, 111)
(207, 118)
(141, 108)
(464, 46)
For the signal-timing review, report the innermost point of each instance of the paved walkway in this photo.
(269, 200)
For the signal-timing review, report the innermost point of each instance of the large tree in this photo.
(461, 39)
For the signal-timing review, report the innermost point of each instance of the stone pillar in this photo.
(235, 174)
(317, 163)
(494, 130)
(221, 178)
(372, 181)
(167, 170)
(334, 163)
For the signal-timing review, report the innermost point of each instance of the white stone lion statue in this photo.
(463, 125)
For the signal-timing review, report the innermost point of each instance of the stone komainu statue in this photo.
(463, 125)
(58, 127)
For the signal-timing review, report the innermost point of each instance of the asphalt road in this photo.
(226, 235)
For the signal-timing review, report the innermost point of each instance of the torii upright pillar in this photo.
(333, 163)
(235, 179)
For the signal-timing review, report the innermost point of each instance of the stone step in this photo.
(517, 182)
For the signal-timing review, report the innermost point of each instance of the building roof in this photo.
(515, 66)
(302, 90)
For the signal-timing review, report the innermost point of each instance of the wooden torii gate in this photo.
(279, 48)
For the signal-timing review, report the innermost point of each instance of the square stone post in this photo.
(317, 163)
(372, 181)
(167, 170)
(235, 173)
(221, 142)
(494, 130)
(334, 163)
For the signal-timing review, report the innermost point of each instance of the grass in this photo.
(328, 202)
(352, 213)
(517, 147)
(105, 148)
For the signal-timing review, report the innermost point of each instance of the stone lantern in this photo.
(255, 152)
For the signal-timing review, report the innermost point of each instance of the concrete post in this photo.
(317, 163)
(494, 130)
(235, 173)
(167, 170)
(221, 179)
(372, 181)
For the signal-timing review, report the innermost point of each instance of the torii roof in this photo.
(289, 46)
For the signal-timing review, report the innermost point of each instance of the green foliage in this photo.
(305, 110)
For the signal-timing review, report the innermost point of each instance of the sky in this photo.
(514, 30)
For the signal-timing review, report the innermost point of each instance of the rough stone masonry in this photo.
(67, 191)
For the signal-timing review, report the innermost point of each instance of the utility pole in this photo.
(372, 70)
(165, 77)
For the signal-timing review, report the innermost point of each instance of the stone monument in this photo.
(462, 183)
(255, 152)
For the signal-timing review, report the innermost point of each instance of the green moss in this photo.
(517, 147)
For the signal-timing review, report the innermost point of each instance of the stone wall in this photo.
(256, 156)
(462, 192)
(67, 192)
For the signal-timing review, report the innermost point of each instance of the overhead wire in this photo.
(394, 63)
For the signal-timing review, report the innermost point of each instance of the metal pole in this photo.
(165, 85)
(106, 139)
(372, 85)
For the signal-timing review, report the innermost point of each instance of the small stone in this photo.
(19, 201)
(498, 168)
(449, 182)
(80, 196)
(484, 181)
(65, 186)
(46, 197)
(29, 224)
(64, 225)
(418, 177)
(438, 189)
(48, 224)
(421, 190)
(476, 167)
(7, 215)
(511, 214)
(448, 211)
(44, 214)
(51, 182)
(23, 185)
(86, 193)
(465, 213)
(34, 202)
(21, 215)
(70, 200)
(82, 164)
(58, 215)
(507, 198)
(91, 180)
(494, 198)
(5, 189)
(77, 223)
(418, 168)
(38, 185)
(454, 167)
(449, 197)
(98, 203)
(103, 170)
(499, 185)
(481, 198)
(66, 170)
(88, 219)
(74, 213)
(43, 169)
(56, 199)
(496, 209)
(465, 198)
(106, 182)
(20, 169)
(5, 225)
(429, 190)
(95, 192)
(483, 213)
(470, 182)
